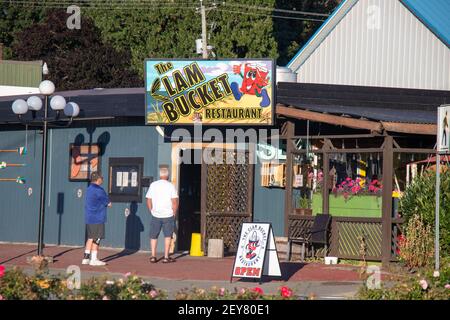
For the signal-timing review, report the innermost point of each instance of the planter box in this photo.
(357, 206)
(303, 211)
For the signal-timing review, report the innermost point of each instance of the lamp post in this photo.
(34, 104)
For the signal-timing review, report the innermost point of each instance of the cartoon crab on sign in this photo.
(252, 245)
(254, 81)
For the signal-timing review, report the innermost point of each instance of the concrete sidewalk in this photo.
(322, 281)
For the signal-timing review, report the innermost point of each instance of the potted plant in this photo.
(303, 206)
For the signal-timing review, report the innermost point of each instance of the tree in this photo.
(170, 31)
(14, 18)
(77, 59)
(292, 34)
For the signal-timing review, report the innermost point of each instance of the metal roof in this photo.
(382, 104)
(434, 14)
(374, 103)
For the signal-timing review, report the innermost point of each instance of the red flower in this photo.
(258, 290)
(2, 271)
(286, 292)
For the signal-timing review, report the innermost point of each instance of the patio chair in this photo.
(317, 234)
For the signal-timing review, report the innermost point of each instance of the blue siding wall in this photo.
(64, 221)
(19, 211)
(268, 204)
(65, 214)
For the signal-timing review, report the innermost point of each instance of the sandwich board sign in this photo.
(257, 254)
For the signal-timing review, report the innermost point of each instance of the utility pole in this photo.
(204, 44)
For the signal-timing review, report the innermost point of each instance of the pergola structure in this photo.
(342, 120)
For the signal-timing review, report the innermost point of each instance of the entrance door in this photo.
(189, 196)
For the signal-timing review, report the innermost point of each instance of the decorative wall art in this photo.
(84, 160)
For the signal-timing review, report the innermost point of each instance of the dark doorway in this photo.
(189, 218)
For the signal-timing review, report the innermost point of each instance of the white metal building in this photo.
(381, 43)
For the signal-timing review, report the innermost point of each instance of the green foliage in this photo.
(417, 248)
(15, 284)
(76, 58)
(420, 199)
(304, 202)
(419, 287)
(237, 29)
(15, 18)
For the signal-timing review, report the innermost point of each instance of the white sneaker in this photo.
(96, 263)
(85, 261)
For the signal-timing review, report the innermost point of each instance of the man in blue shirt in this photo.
(96, 202)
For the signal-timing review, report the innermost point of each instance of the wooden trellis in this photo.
(227, 198)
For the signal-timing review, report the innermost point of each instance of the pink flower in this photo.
(127, 274)
(343, 183)
(2, 271)
(1, 297)
(153, 294)
(355, 190)
(374, 181)
(447, 286)
(242, 291)
(371, 188)
(424, 284)
(258, 290)
(286, 292)
(221, 292)
(350, 184)
(105, 298)
(348, 179)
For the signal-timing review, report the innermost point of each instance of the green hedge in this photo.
(420, 198)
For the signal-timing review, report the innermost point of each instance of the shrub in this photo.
(420, 287)
(416, 248)
(15, 284)
(420, 199)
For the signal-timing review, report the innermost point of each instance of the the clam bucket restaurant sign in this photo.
(209, 91)
(257, 254)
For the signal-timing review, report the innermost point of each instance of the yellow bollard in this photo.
(196, 245)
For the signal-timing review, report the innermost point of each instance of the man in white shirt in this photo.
(162, 202)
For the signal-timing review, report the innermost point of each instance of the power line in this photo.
(277, 10)
(158, 4)
(270, 15)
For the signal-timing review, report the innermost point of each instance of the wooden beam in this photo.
(386, 216)
(328, 118)
(374, 126)
(413, 128)
(290, 131)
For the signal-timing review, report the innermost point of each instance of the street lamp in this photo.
(34, 104)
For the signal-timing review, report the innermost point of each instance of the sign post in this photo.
(257, 254)
(443, 147)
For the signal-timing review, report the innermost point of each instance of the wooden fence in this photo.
(350, 237)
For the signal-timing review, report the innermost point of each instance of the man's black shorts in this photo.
(95, 231)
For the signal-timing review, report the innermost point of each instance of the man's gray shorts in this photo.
(95, 231)
(166, 224)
